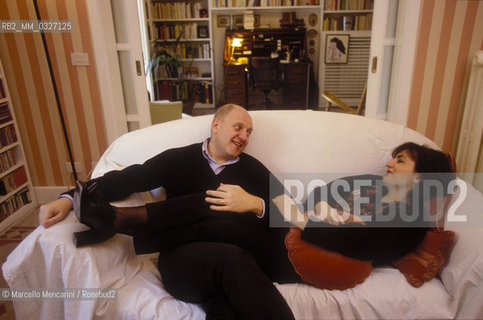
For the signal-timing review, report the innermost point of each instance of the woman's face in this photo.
(401, 163)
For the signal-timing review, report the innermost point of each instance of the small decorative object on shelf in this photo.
(203, 32)
(223, 21)
(16, 191)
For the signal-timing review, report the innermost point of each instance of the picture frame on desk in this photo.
(337, 48)
(223, 21)
(203, 32)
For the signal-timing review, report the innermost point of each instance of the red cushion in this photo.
(424, 263)
(322, 268)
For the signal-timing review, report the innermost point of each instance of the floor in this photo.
(8, 241)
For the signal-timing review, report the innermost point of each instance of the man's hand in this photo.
(55, 211)
(233, 198)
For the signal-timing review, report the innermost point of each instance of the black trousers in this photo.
(225, 279)
(225, 266)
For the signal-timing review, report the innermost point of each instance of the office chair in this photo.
(331, 99)
(264, 75)
(163, 111)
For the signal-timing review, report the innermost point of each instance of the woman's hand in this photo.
(324, 212)
(54, 212)
(229, 197)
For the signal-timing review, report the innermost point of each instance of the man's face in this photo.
(230, 135)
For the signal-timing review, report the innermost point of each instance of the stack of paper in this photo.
(249, 20)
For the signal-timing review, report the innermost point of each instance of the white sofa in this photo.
(286, 141)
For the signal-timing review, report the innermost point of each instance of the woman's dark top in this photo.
(382, 242)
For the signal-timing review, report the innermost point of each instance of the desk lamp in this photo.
(235, 43)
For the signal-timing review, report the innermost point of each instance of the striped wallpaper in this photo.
(33, 97)
(450, 33)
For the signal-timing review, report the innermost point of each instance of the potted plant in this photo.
(166, 65)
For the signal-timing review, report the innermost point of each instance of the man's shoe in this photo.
(89, 237)
(98, 216)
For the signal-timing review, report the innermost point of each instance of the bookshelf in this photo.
(348, 15)
(223, 5)
(16, 191)
(181, 31)
(349, 21)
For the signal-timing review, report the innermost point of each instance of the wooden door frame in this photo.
(404, 56)
(107, 66)
(106, 59)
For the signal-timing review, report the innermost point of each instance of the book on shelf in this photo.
(262, 3)
(5, 115)
(206, 90)
(15, 202)
(335, 5)
(172, 91)
(206, 51)
(176, 10)
(13, 180)
(201, 92)
(173, 31)
(163, 90)
(348, 22)
(3, 94)
(7, 135)
(7, 160)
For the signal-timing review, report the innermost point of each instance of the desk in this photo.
(295, 84)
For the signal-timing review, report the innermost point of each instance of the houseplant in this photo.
(167, 66)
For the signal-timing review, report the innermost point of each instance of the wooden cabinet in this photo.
(295, 85)
(296, 80)
(236, 84)
(16, 191)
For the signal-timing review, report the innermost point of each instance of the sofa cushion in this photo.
(426, 261)
(322, 268)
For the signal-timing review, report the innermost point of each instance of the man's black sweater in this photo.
(183, 172)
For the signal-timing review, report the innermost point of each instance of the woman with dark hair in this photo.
(398, 215)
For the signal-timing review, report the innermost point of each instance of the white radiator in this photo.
(469, 155)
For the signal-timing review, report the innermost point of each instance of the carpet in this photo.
(8, 241)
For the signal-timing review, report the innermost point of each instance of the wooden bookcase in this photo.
(16, 190)
(182, 29)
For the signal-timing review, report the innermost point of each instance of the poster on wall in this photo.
(336, 48)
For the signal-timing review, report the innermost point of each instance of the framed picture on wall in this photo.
(336, 48)
(203, 32)
(237, 21)
(223, 21)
